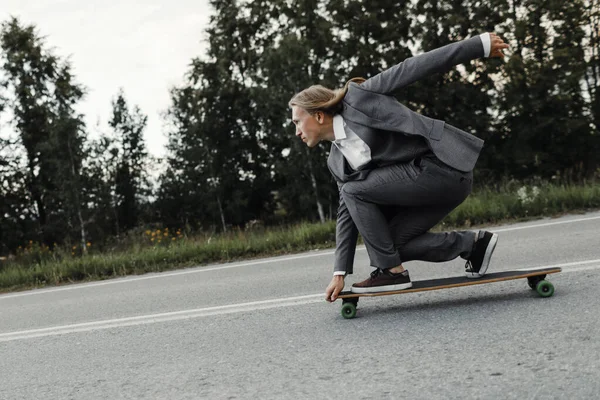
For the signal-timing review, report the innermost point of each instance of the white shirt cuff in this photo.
(339, 273)
(487, 44)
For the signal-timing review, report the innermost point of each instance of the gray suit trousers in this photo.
(396, 206)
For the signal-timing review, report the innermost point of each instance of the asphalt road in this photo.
(261, 330)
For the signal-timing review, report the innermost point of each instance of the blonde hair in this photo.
(319, 98)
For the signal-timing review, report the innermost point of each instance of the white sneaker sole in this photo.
(486, 258)
(379, 289)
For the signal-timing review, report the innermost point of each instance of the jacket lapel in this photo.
(335, 162)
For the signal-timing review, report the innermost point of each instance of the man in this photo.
(399, 172)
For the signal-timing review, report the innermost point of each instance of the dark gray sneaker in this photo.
(478, 262)
(382, 280)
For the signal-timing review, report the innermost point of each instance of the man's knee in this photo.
(349, 190)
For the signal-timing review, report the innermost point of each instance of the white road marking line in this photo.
(518, 228)
(243, 264)
(579, 269)
(564, 265)
(211, 311)
(162, 317)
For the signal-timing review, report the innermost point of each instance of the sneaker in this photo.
(382, 280)
(478, 262)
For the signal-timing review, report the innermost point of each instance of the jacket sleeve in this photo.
(346, 236)
(415, 68)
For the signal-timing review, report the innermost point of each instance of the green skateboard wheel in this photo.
(545, 288)
(348, 310)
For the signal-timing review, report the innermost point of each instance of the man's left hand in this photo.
(497, 45)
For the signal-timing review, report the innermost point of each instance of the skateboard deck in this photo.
(535, 279)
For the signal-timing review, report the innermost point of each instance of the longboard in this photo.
(535, 279)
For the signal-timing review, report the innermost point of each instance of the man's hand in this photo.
(335, 287)
(497, 45)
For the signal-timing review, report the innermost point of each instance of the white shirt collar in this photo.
(338, 127)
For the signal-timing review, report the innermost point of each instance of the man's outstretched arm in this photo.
(435, 61)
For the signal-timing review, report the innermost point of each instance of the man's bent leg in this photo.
(434, 190)
(410, 231)
(393, 184)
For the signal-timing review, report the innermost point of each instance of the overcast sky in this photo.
(143, 46)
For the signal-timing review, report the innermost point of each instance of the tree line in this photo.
(232, 157)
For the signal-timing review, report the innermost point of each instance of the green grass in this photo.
(488, 207)
(37, 266)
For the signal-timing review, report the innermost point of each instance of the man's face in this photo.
(307, 126)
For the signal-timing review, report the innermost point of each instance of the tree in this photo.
(66, 139)
(41, 95)
(15, 214)
(98, 182)
(28, 69)
(466, 95)
(592, 73)
(298, 52)
(130, 162)
(215, 145)
(544, 129)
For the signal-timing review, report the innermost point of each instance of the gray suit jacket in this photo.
(369, 108)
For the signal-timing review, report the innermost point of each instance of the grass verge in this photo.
(484, 207)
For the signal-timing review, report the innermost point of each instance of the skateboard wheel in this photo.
(545, 288)
(348, 310)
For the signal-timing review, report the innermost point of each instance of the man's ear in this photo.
(320, 116)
